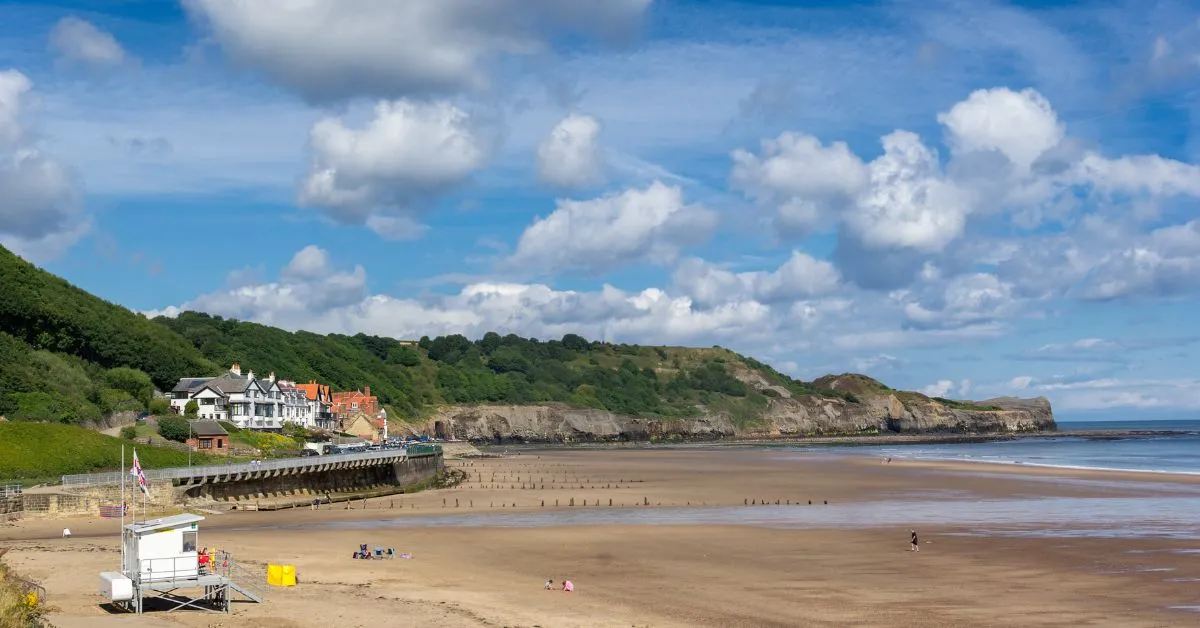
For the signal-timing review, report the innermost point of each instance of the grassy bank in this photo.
(30, 451)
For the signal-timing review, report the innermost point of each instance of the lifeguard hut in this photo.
(161, 557)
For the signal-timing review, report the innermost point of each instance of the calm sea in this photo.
(1178, 452)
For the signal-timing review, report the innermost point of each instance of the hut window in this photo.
(189, 542)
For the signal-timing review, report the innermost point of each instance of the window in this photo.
(220, 444)
(205, 443)
(189, 542)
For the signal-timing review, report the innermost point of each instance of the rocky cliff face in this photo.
(874, 408)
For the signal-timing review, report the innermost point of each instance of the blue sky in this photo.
(972, 199)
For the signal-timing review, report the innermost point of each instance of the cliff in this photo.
(871, 408)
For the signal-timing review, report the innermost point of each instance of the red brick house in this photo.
(209, 437)
(347, 403)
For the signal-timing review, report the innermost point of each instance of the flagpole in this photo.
(122, 535)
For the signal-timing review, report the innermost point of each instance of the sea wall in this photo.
(399, 475)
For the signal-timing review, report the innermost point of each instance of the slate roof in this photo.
(229, 383)
(208, 428)
(189, 384)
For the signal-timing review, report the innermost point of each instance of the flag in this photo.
(136, 472)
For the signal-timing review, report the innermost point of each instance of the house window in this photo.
(220, 444)
(189, 542)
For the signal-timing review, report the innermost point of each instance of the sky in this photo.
(971, 199)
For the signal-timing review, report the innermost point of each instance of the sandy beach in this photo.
(688, 541)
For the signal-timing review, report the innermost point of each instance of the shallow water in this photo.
(1066, 517)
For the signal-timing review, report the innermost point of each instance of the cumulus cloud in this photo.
(335, 302)
(81, 42)
(570, 156)
(1111, 393)
(329, 50)
(1010, 159)
(803, 178)
(649, 224)
(800, 277)
(41, 214)
(1020, 382)
(946, 388)
(382, 174)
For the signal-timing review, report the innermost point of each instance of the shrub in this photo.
(191, 408)
(159, 407)
(174, 428)
(129, 432)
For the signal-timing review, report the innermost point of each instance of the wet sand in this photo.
(699, 554)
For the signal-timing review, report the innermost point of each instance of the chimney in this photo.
(249, 374)
(271, 377)
(366, 391)
(236, 369)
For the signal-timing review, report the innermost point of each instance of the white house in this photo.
(243, 400)
(296, 408)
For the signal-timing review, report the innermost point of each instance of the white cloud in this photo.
(570, 156)
(41, 214)
(964, 300)
(1020, 125)
(309, 262)
(79, 41)
(1020, 382)
(613, 230)
(800, 277)
(803, 180)
(408, 153)
(941, 388)
(335, 49)
(335, 303)
(909, 204)
(1111, 393)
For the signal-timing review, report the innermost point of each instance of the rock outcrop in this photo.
(869, 407)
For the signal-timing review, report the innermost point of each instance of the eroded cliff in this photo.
(871, 408)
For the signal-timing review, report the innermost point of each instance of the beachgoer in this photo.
(916, 543)
(66, 532)
(550, 584)
(568, 586)
(202, 560)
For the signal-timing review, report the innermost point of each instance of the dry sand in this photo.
(662, 575)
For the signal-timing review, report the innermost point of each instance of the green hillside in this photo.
(38, 450)
(68, 356)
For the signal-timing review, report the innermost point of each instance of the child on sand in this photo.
(916, 544)
(550, 584)
(568, 585)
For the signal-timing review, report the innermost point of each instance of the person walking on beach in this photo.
(916, 543)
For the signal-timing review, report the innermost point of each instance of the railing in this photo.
(249, 579)
(424, 450)
(175, 473)
(168, 569)
(10, 490)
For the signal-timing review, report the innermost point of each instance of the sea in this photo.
(1174, 447)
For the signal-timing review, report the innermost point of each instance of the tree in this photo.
(174, 428)
(131, 381)
(159, 407)
(575, 342)
(129, 432)
(191, 408)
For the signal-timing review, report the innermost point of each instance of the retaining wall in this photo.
(400, 474)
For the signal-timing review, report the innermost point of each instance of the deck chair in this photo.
(391, 552)
(378, 552)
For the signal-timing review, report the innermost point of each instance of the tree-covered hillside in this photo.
(415, 378)
(67, 355)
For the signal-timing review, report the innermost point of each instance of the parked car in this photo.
(304, 453)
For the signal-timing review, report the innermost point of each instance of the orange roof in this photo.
(310, 390)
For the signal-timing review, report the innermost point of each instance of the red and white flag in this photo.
(136, 472)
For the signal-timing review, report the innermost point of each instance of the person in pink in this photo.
(568, 585)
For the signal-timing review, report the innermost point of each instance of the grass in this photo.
(966, 405)
(35, 451)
